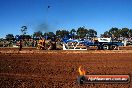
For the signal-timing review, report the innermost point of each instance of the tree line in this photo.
(80, 32)
(117, 33)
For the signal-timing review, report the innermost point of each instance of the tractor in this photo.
(50, 44)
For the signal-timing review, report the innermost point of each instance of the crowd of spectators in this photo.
(15, 43)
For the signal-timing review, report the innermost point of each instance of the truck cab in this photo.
(108, 44)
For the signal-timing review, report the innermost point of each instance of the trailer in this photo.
(74, 45)
(84, 44)
(107, 44)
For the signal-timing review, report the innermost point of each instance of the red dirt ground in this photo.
(59, 69)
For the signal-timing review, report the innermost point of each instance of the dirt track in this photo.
(59, 69)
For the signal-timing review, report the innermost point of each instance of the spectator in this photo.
(20, 48)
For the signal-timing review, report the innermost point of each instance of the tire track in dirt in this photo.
(27, 76)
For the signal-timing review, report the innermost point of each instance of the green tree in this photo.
(9, 37)
(117, 33)
(81, 32)
(92, 33)
(125, 32)
(106, 34)
(114, 32)
(27, 36)
(37, 34)
(130, 33)
(24, 30)
(62, 33)
(72, 32)
(58, 33)
(65, 33)
(49, 34)
(1, 39)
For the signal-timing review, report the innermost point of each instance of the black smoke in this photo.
(43, 27)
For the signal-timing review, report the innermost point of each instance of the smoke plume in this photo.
(43, 27)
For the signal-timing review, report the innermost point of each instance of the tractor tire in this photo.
(48, 46)
(38, 47)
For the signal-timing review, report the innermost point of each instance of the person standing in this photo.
(20, 47)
